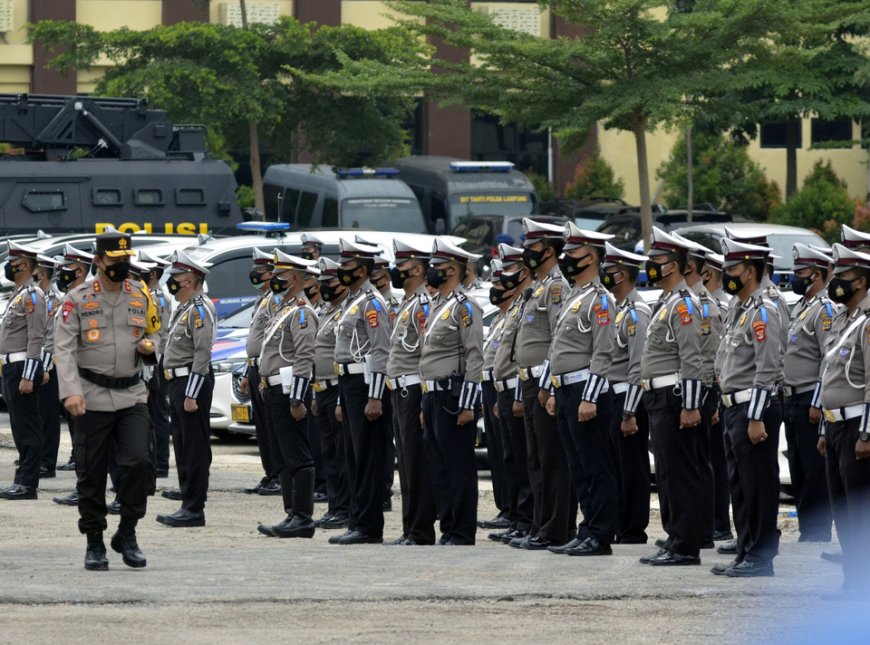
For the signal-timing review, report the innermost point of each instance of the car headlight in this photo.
(227, 365)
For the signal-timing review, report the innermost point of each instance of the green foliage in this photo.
(823, 204)
(595, 179)
(723, 175)
(245, 195)
(543, 188)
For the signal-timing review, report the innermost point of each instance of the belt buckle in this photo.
(424, 385)
(830, 417)
(167, 374)
(336, 367)
(317, 387)
(390, 384)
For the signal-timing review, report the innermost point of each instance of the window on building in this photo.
(775, 135)
(106, 197)
(492, 140)
(837, 132)
(41, 201)
(149, 197)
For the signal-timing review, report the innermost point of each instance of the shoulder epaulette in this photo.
(461, 297)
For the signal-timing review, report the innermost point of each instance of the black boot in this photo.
(124, 542)
(95, 555)
(302, 524)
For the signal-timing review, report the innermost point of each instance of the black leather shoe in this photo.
(272, 487)
(125, 544)
(708, 544)
(357, 537)
(675, 560)
(162, 473)
(662, 543)
(512, 535)
(182, 518)
(399, 541)
(16, 492)
(729, 548)
(68, 500)
(832, 556)
(456, 542)
(444, 539)
(721, 569)
(653, 556)
(590, 546)
(814, 537)
(747, 569)
(335, 538)
(70, 465)
(253, 490)
(46, 473)
(114, 508)
(410, 542)
(495, 523)
(562, 548)
(496, 536)
(300, 526)
(332, 522)
(520, 542)
(171, 493)
(95, 555)
(537, 543)
(722, 536)
(320, 498)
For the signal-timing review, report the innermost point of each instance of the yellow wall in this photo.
(369, 14)
(113, 14)
(285, 7)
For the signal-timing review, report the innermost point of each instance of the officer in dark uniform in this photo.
(21, 336)
(450, 367)
(49, 403)
(672, 374)
(264, 308)
(286, 363)
(106, 329)
(187, 367)
(629, 426)
(750, 364)
(403, 383)
(361, 351)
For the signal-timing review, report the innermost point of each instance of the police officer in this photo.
(629, 427)
(547, 461)
(846, 408)
(711, 276)
(854, 239)
(672, 374)
(580, 357)
(325, 400)
(753, 412)
(106, 329)
(311, 247)
(513, 281)
(361, 352)
(49, 403)
(187, 367)
(265, 307)
(286, 363)
(451, 361)
(403, 382)
(21, 337)
(808, 330)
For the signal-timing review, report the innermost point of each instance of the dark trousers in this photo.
(331, 437)
(49, 410)
(367, 451)
(290, 444)
(26, 422)
(191, 440)
(753, 472)
(450, 451)
(261, 424)
(849, 488)
(418, 499)
(127, 434)
(548, 469)
(389, 446)
(158, 410)
(677, 474)
(590, 458)
(495, 451)
(516, 466)
(316, 455)
(632, 462)
(807, 469)
(721, 495)
(705, 467)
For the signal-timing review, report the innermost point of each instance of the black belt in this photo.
(108, 381)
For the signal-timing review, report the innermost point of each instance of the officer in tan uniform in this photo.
(311, 247)
(286, 365)
(187, 367)
(451, 360)
(21, 335)
(49, 403)
(106, 329)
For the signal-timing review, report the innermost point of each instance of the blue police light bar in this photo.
(481, 166)
(367, 172)
(263, 227)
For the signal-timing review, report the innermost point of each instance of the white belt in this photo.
(838, 415)
(271, 380)
(619, 388)
(508, 384)
(253, 362)
(177, 372)
(321, 386)
(795, 391)
(437, 386)
(659, 381)
(403, 381)
(15, 357)
(569, 378)
(736, 398)
(525, 373)
(343, 369)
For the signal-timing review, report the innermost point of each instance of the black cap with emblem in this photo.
(114, 244)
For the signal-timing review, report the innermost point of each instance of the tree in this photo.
(594, 179)
(823, 204)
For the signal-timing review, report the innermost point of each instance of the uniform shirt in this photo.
(751, 352)
(266, 305)
(288, 346)
(190, 340)
(98, 330)
(324, 342)
(807, 332)
(407, 334)
(23, 326)
(772, 293)
(52, 302)
(673, 343)
(722, 300)
(584, 337)
(846, 358)
(164, 311)
(539, 314)
(711, 330)
(504, 365)
(453, 345)
(632, 320)
(363, 335)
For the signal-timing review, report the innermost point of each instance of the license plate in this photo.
(241, 413)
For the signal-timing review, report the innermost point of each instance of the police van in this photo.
(450, 189)
(319, 197)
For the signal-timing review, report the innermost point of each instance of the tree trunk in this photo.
(792, 131)
(244, 9)
(256, 174)
(690, 174)
(638, 127)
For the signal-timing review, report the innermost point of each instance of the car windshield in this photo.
(378, 214)
(588, 223)
(508, 204)
(476, 231)
(625, 232)
(781, 243)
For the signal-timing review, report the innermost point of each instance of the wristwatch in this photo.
(627, 415)
(295, 402)
(864, 436)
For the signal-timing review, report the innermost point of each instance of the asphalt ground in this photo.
(226, 583)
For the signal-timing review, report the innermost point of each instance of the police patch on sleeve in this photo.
(556, 292)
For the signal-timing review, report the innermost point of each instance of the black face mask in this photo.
(435, 277)
(397, 277)
(733, 284)
(570, 266)
(498, 296)
(840, 290)
(117, 272)
(799, 285)
(330, 292)
(609, 279)
(381, 282)
(346, 276)
(533, 259)
(256, 278)
(312, 292)
(65, 278)
(654, 272)
(277, 285)
(173, 285)
(9, 271)
(307, 255)
(511, 281)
